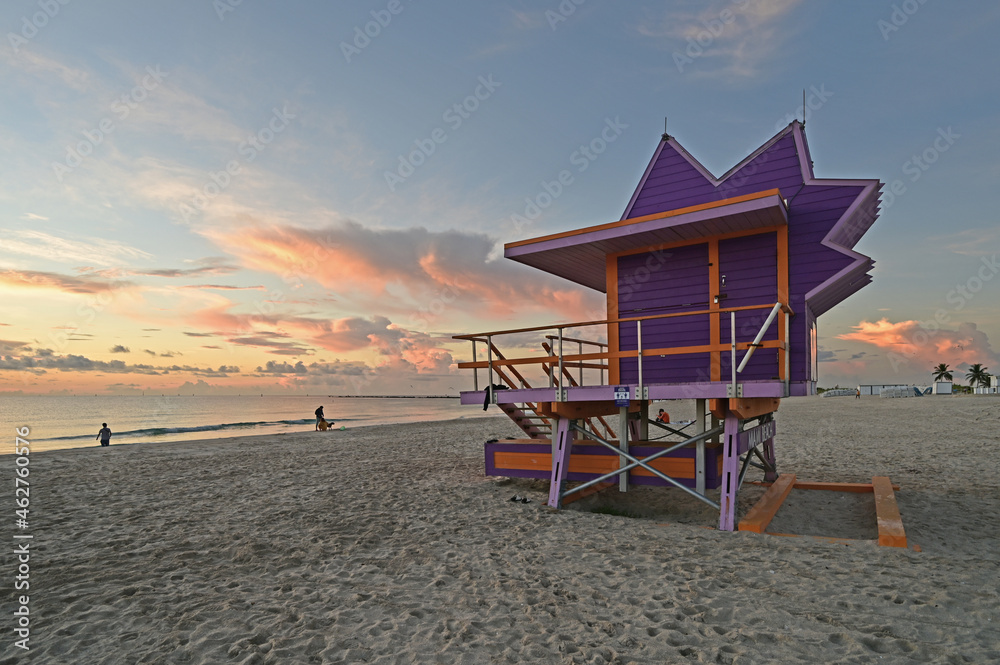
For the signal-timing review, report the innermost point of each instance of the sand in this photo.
(389, 545)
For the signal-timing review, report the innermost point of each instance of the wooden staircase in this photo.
(526, 414)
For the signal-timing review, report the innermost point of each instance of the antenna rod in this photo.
(803, 107)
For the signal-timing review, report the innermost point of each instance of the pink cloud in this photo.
(909, 342)
(66, 283)
(430, 272)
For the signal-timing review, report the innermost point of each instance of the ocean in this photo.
(57, 422)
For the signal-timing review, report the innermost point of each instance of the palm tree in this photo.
(977, 376)
(941, 373)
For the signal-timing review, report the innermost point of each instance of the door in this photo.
(748, 275)
(664, 282)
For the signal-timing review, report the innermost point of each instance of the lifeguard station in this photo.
(714, 286)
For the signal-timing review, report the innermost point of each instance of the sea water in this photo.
(73, 421)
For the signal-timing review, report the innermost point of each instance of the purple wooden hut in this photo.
(714, 286)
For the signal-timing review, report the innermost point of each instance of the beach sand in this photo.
(389, 545)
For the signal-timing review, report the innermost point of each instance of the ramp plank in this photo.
(890, 524)
(764, 511)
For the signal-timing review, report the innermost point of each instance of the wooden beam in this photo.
(860, 488)
(611, 355)
(645, 218)
(751, 407)
(583, 324)
(890, 524)
(577, 410)
(763, 512)
(744, 407)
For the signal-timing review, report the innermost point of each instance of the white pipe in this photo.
(489, 357)
(559, 383)
(638, 332)
(760, 335)
(475, 370)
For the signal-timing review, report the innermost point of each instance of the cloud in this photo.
(732, 39)
(216, 269)
(907, 342)
(72, 362)
(272, 367)
(118, 348)
(970, 242)
(349, 334)
(50, 280)
(11, 346)
(824, 356)
(32, 62)
(222, 287)
(429, 273)
(43, 245)
(42, 361)
(273, 342)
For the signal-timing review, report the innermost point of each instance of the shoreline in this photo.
(250, 438)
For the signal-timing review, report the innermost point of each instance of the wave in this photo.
(161, 431)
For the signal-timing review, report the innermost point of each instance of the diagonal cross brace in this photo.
(678, 432)
(748, 462)
(634, 462)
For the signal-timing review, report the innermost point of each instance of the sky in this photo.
(239, 196)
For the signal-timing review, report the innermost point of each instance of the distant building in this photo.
(943, 387)
(992, 389)
(877, 388)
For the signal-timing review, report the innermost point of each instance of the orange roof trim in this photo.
(646, 218)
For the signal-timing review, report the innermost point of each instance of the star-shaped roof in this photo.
(679, 199)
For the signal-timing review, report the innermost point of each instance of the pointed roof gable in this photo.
(826, 217)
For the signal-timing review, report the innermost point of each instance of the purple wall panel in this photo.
(678, 284)
(674, 182)
(712, 453)
(750, 265)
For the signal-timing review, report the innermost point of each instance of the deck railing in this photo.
(557, 361)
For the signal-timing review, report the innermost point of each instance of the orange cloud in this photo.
(49, 280)
(430, 273)
(909, 341)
